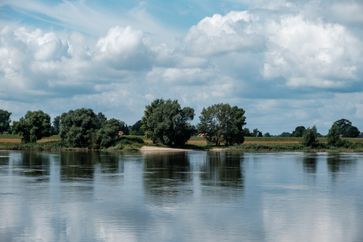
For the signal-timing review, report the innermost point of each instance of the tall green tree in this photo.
(165, 122)
(56, 125)
(247, 132)
(299, 131)
(334, 138)
(256, 133)
(4, 121)
(346, 129)
(109, 133)
(222, 123)
(310, 137)
(136, 128)
(33, 126)
(78, 127)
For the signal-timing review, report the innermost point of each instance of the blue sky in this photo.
(287, 63)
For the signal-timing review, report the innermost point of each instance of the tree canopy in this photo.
(167, 123)
(222, 123)
(309, 137)
(346, 129)
(299, 131)
(56, 125)
(78, 127)
(4, 121)
(109, 133)
(136, 128)
(33, 126)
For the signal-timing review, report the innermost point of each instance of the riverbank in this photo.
(140, 144)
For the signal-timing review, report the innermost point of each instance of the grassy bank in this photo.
(134, 143)
(276, 144)
(54, 143)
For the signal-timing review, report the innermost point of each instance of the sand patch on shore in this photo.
(155, 149)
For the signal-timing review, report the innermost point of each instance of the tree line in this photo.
(164, 122)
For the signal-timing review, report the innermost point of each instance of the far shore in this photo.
(133, 144)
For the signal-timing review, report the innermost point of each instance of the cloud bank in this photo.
(287, 63)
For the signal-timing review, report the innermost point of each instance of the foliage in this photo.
(56, 125)
(167, 123)
(78, 127)
(247, 132)
(222, 123)
(346, 129)
(108, 134)
(33, 126)
(267, 134)
(285, 134)
(4, 121)
(136, 128)
(256, 133)
(101, 119)
(309, 137)
(334, 137)
(299, 131)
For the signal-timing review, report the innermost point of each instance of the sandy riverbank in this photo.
(155, 149)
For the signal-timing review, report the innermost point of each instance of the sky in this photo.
(286, 63)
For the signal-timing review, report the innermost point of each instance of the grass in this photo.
(134, 143)
(277, 144)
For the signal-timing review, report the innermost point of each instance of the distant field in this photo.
(194, 141)
(200, 141)
(15, 139)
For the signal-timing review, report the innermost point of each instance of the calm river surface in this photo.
(193, 196)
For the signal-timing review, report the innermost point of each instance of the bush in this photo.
(310, 137)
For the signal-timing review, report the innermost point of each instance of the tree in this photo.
(247, 132)
(101, 119)
(267, 134)
(285, 134)
(167, 123)
(4, 121)
(310, 137)
(256, 133)
(136, 128)
(78, 127)
(346, 129)
(334, 136)
(56, 125)
(299, 131)
(222, 123)
(108, 134)
(33, 126)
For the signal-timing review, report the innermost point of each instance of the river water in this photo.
(193, 196)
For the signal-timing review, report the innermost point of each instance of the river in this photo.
(187, 196)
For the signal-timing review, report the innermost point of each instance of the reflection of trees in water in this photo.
(35, 164)
(4, 158)
(339, 162)
(310, 162)
(82, 164)
(223, 169)
(165, 174)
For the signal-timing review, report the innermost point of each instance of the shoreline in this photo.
(149, 149)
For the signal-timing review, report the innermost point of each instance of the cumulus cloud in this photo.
(218, 34)
(272, 54)
(314, 54)
(124, 48)
(34, 62)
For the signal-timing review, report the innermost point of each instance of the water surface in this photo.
(192, 196)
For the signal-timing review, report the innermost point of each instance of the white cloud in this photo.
(278, 53)
(312, 54)
(124, 48)
(219, 34)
